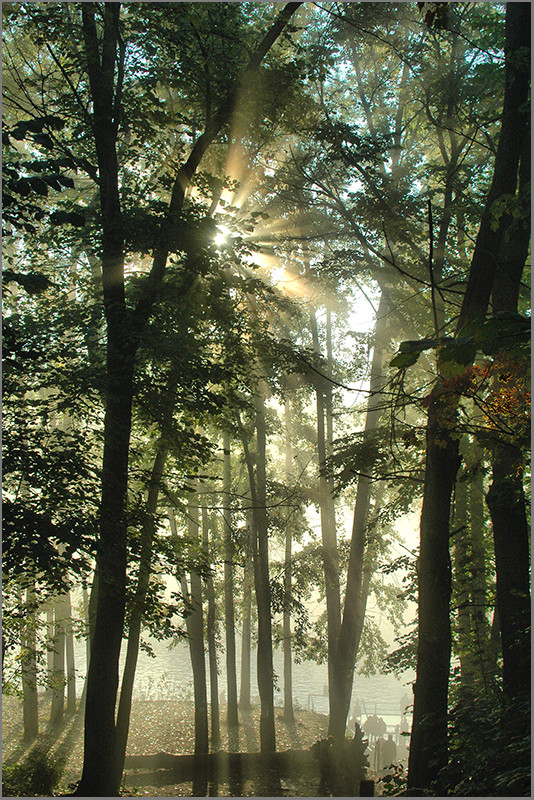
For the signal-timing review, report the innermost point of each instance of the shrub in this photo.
(37, 775)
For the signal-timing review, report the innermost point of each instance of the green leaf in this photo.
(417, 345)
(404, 360)
(461, 351)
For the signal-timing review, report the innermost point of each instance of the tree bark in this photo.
(136, 616)
(30, 708)
(229, 611)
(69, 658)
(248, 579)
(479, 582)
(58, 691)
(357, 587)
(263, 591)
(195, 633)
(462, 584)
(49, 645)
(328, 525)
(429, 747)
(211, 625)
(260, 544)
(506, 496)
(289, 714)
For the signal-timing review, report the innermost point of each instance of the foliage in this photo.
(38, 775)
(490, 747)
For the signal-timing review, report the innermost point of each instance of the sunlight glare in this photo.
(222, 235)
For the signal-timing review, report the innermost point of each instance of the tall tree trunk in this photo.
(229, 611)
(86, 618)
(49, 645)
(138, 606)
(328, 525)
(428, 749)
(211, 629)
(195, 633)
(506, 496)
(99, 769)
(265, 669)
(479, 583)
(198, 660)
(248, 579)
(462, 583)
(104, 57)
(58, 692)
(30, 708)
(69, 658)
(260, 552)
(289, 715)
(357, 582)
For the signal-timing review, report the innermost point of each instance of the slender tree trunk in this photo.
(85, 601)
(328, 526)
(136, 616)
(462, 584)
(58, 693)
(260, 551)
(248, 579)
(30, 708)
(263, 591)
(428, 749)
(197, 644)
(479, 583)
(229, 611)
(357, 583)
(211, 625)
(49, 645)
(289, 715)
(69, 658)
(195, 633)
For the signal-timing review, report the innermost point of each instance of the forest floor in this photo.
(161, 725)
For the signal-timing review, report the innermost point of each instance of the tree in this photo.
(229, 614)
(123, 335)
(428, 752)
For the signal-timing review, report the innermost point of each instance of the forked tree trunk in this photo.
(30, 708)
(211, 630)
(429, 746)
(229, 611)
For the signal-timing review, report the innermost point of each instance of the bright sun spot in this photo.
(222, 235)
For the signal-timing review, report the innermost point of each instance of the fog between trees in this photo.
(201, 200)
